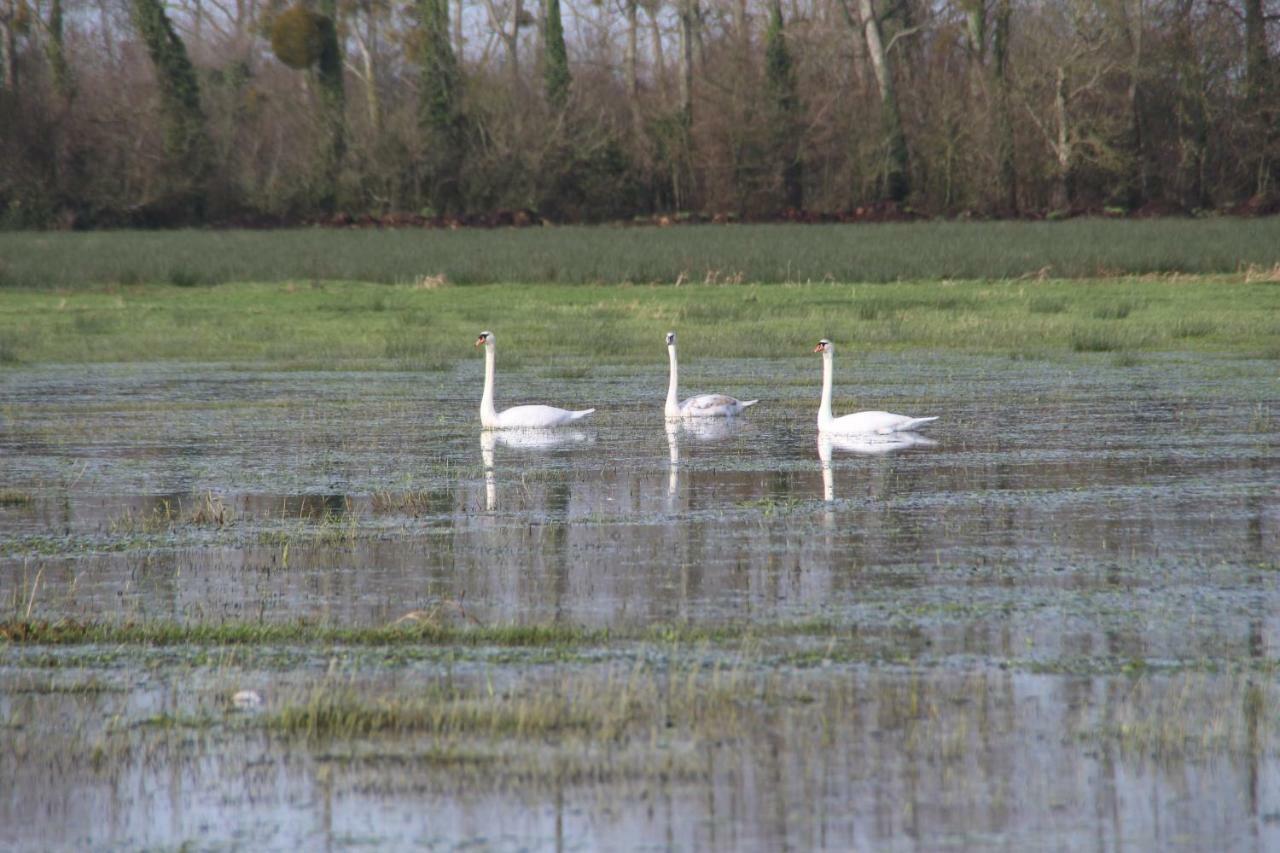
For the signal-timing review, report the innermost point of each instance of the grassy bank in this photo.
(410, 327)
(1085, 248)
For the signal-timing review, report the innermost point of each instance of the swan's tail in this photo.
(746, 403)
(915, 423)
(577, 416)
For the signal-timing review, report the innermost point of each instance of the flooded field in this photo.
(1052, 622)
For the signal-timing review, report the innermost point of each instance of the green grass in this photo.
(1081, 248)
(336, 324)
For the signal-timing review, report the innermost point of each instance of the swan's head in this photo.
(671, 339)
(824, 347)
(485, 339)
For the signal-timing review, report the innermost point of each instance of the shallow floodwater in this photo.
(1080, 550)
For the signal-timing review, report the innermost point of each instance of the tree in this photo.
(1192, 112)
(186, 140)
(303, 39)
(780, 84)
(556, 61)
(15, 17)
(1006, 169)
(439, 108)
(56, 51)
(1260, 99)
(896, 176)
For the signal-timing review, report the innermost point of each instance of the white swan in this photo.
(859, 423)
(703, 405)
(517, 417)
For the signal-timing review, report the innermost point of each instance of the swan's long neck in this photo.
(824, 407)
(488, 414)
(673, 403)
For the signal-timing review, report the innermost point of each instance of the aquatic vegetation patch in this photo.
(15, 497)
(1190, 716)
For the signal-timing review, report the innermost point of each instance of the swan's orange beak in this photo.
(480, 341)
(819, 348)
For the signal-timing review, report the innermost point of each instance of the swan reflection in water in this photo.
(864, 445)
(518, 439)
(699, 429)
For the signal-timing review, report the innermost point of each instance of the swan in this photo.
(703, 405)
(517, 417)
(859, 423)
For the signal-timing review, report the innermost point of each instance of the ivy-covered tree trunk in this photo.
(1006, 169)
(9, 45)
(333, 103)
(556, 62)
(56, 52)
(1135, 178)
(186, 140)
(1261, 97)
(897, 182)
(1192, 111)
(682, 174)
(439, 108)
(780, 81)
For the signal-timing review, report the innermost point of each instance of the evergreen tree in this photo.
(556, 61)
(780, 83)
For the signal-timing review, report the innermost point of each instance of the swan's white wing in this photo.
(538, 417)
(876, 423)
(712, 405)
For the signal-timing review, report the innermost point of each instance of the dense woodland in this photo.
(145, 112)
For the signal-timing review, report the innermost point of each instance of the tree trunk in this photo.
(8, 46)
(630, 63)
(1136, 173)
(781, 85)
(373, 104)
(687, 24)
(1007, 180)
(975, 20)
(1062, 190)
(56, 51)
(440, 113)
(458, 40)
(1257, 61)
(659, 59)
(1260, 97)
(186, 139)
(1193, 129)
(896, 180)
(333, 101)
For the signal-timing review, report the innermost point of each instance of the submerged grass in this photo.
(15, 497)
(434, 631)
(71, 632)
(346, 324)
